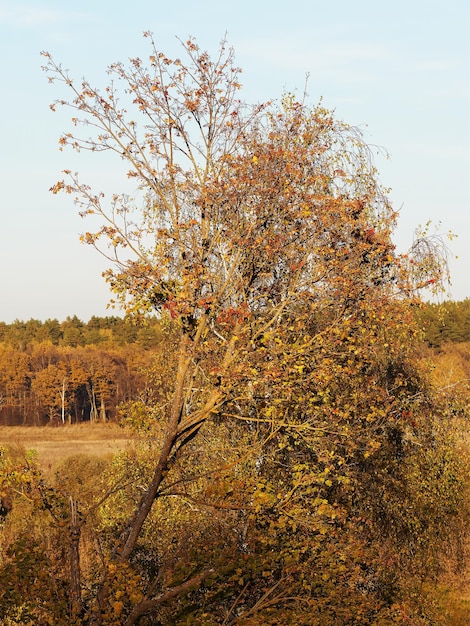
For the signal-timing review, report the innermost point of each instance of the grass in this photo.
(54, 444)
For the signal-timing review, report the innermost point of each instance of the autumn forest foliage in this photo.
(72, 372)
(299, 416)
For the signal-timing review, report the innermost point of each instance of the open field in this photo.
(54, 444)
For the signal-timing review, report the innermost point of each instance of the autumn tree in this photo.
(14, 380)
(263, 235)
(50, 385)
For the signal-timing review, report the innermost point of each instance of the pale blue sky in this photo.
(400, 70)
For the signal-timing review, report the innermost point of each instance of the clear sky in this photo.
(400, 70)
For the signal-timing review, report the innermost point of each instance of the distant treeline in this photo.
(73, 332)
(446, 322)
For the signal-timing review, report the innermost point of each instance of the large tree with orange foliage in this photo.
(263, 234)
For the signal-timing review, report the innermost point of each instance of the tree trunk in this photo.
(175, 428)
(75, 586)
(92, 398)
(102, 411)
(143, 509)
(62, 397)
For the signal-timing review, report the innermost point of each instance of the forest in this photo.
(297, 414)
(72, 371)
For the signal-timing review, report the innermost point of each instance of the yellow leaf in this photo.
(117, 608)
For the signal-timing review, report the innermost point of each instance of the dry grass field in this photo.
(53, 444)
